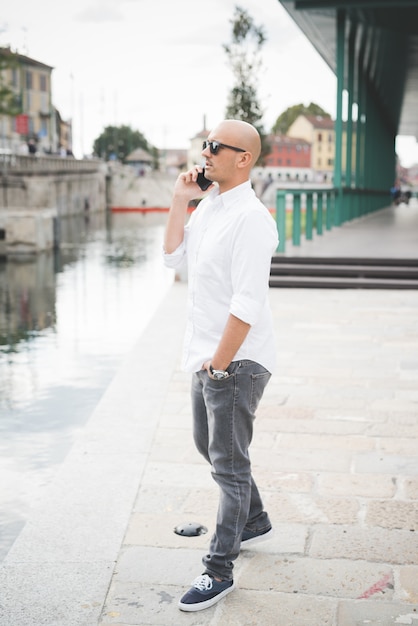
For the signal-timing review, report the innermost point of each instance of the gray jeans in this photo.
(223, 416)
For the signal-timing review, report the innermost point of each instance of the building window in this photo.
(15, 77)
(319, 136)
(44, 103)
(29, 80)
(42, 82)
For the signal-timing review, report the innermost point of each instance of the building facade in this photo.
(35, 127)
(288, 152)
(319, 132)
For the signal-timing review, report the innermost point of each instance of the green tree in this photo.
(286, 119)
(10, 101)
(119, 141)
(244, 55)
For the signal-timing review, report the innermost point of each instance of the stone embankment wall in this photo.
(36, 191)
(64, 184)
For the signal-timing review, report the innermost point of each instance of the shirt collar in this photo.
(232, 195)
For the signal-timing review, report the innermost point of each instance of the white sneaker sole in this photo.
(207, 603)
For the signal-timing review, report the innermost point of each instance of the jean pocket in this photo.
(258, 384)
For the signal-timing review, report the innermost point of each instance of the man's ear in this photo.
(245, 159)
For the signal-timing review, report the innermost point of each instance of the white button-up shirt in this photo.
(228, 242)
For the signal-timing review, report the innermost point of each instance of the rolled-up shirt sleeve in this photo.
(254, 245)
(245, 308)
(176, 258)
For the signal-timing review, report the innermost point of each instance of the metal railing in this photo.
(322, 209)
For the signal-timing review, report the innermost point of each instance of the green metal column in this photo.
(350, 99)
(296, 219)
(329, 209)
(319, 214)
(309, 215)
(360, 124)
(339, 116)
(281, 219)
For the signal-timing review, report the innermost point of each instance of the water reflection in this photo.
(27, 300)
(66, 321)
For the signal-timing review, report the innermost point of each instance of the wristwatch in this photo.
(218, 374)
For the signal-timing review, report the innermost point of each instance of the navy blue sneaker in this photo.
(205, 592)
(249, 537)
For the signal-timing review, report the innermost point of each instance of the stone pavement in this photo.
(335, 455)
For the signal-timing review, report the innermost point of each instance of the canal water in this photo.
(67, 320)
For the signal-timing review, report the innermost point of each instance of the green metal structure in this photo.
(372, 46)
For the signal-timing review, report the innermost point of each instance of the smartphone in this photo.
(203, 182)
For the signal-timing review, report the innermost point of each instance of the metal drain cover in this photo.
(190, 529)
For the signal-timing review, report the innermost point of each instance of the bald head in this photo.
(240, 134)
(240, 147)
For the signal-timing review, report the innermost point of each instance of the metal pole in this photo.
(309, 216)
(339, 115)
(296, 219)
(281, 219)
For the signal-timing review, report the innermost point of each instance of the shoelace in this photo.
(203, 583)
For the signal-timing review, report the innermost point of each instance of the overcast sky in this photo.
(159, 65)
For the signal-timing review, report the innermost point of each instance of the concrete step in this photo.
(323, 282)
(343, 273)
(331, 260)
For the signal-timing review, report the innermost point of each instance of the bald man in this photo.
(229, 345)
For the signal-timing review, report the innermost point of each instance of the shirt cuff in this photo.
(174, 259)
(245, 308)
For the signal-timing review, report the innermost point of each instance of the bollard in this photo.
(296, 220)
(319, 203)
(309, 215)
(281, 219)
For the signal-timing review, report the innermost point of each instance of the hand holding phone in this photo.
(203, 182)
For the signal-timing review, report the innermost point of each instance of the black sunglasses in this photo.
(214, 147)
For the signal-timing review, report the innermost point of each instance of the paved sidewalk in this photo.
(335, 454)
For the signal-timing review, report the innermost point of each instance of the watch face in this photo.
(220, 375)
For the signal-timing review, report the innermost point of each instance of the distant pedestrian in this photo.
(32, 146)
(229, 345)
